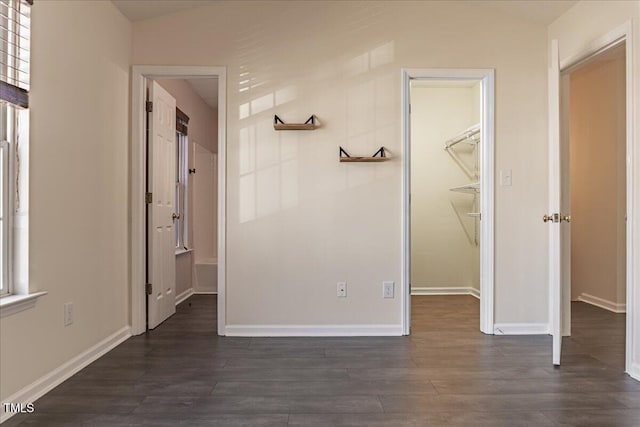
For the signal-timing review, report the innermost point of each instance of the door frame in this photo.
(139, 76)
(603, 43)
(486, 77)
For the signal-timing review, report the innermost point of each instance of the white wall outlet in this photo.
(342, 289)
(505, 177)
(68, 313)
(388, 289)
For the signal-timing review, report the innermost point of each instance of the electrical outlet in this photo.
(68, 313)
(342, 289)
(387, 289)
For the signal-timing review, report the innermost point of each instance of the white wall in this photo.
(78, 189)
(205, 212)
(576, 30)
(298, 220)
(598, 187)
(444, 250)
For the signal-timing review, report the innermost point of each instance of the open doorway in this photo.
(445, 205)
(141, 75)
(593, 100)
(448, 199)
(191, 267)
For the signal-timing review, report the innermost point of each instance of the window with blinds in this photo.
(15, 32)
(15, 29)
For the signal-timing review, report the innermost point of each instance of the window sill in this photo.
(181, 251)
(13, 304)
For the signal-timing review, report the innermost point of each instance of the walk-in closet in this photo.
(445, 202)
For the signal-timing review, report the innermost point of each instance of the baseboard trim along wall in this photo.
(603, 303)
(205, 292)
(184, 295)
(635, 371)
(521, 329)
(313, 330)
(442, 290)
(48, 382)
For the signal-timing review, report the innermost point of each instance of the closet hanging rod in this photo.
(471, 135)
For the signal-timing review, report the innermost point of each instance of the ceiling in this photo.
(541, 12)
(138, 10)
(207, 88)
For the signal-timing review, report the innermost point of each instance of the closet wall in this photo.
(204, 205)
(598, 190)
(444, 253)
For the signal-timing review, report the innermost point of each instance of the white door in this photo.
(161, 301)
(557, 218)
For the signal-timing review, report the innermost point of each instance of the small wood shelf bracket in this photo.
(310, 124)
(378, 156)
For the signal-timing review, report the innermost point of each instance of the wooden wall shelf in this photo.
(379, 156)
(310, 124)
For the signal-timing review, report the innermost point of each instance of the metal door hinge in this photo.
(149, 106)
(148, 198)
(148, 288)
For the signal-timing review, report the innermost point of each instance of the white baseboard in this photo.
(313, 330)
(603, 303)
(184, 295)
(443, 290)
(48, 382)
(634, 372)
(521, 329)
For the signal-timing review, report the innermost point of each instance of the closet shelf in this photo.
(469, 188)
(310, 124)
(470, 135)
(345, 157)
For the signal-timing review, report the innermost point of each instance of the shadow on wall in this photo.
(269, 161)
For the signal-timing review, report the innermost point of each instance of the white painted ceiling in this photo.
(207, 88)
(541, 12)
(138, 10)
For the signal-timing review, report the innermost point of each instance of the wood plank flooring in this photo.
(445, 373)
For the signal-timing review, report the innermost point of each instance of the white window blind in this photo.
(15, 28)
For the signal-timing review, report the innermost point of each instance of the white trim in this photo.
(13, 304)
(521, 329)
(139, 73)
(487, 176)
(625, 32)
(634, 371)
(444, 290)
(205, 292)
(313, 330)
(184, 295)
(554, 204)
(603, 303)
(48, 382)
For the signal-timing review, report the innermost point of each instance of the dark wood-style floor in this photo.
(445, 373)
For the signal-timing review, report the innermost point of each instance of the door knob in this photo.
(175, 216)
(556, 218)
